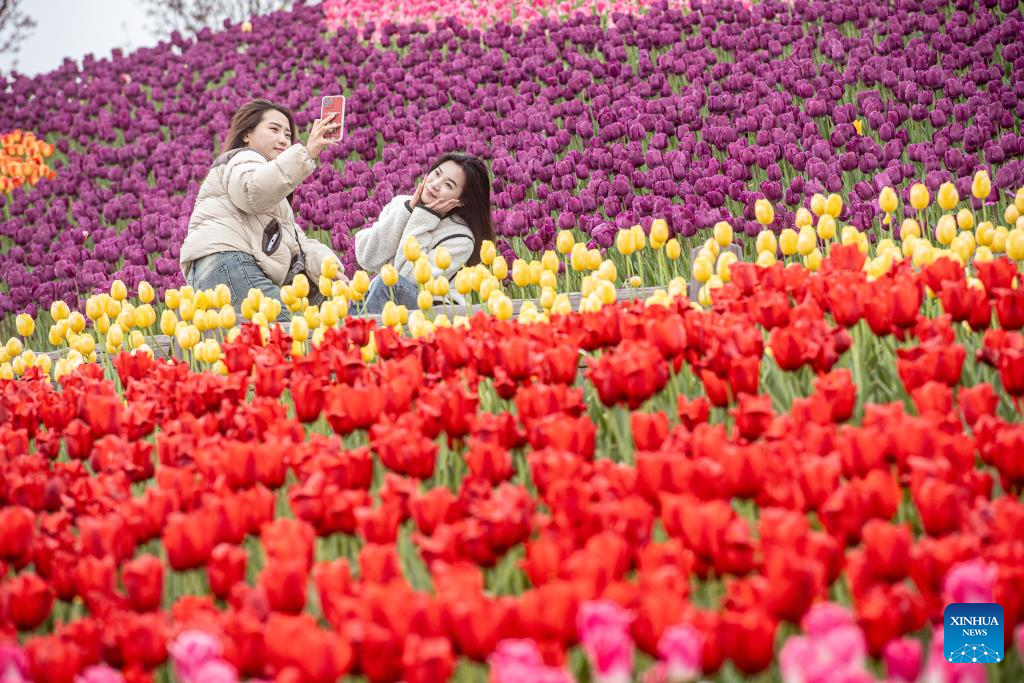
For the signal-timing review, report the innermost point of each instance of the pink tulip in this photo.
(190, 651)
(13, 664)
(216, 671)
(939, 670)
(681, 648)
(100, 673)
(971, 581)
(824, 616)
(903, 659)
(514, 661)
(603, 628)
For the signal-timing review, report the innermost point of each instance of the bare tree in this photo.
(190, 16)
(15, 27)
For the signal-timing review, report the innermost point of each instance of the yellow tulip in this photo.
(639, 238)
(634, 282)
(963, 246)
(330, 267)
(118, 290)
(300, 329)
(579, 260)
(606, 271)
(702, 269)
(624, 242)
(389, 275)
(765, 259)
(442, 259)
(488, 252)
(803, 217)
(115, 335)
(25, 324)
(340, 289)
(111, 306)
(489, 285)
(849, 235)
(361, 281)
(766, 241)
(425, 300)
(812, 261)
(985, 232)
(723, 233)
(788, 240)
(858, 126)
(947, 196)
(59, 310)
(1015, 244)
(826, 226)
(818, 202)
(442, 286)
(725, 260)
(499, 267)
(301, 285)
(520, 273)
(945, 230)
(325, 286)
(910, 228)
(659, 231)
(411, 249)
(547, 298)
(421, 270)
(14, 347)
(403, 314)
(999, 238)
(1011, 214)
(834, 205)
(187, 309)
(172, 298)
(983, 254)
(888, 200)
(44, 363)
(965, 219)
(146, 292)
(53, 336)
(673, 250)
(919, 196)
(981, 186)
(561, 305)
(806, 241)
(136, 339)
(102, 323)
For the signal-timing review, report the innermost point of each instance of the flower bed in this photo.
(817, 449)
(688, 115)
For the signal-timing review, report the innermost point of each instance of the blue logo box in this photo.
(973, 632)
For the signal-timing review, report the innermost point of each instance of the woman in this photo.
(242, 231)
(451, 208)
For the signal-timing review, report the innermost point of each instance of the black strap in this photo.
(451, 237)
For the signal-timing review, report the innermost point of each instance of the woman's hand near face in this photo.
(443, 206)
(417, 196)
(321, 127)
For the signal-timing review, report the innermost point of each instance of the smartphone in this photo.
(334, 104)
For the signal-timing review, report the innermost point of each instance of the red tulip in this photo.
(29, 600)
(143, 579)
(753, 416)
(649, 430)
(53, 659)
(296, 641)
(285, 583)
(1010, 308)
(425, 660)
(188, 539)
(17, 527)
(226, 568)
(748, 638)
(288, 539)
(489, 461)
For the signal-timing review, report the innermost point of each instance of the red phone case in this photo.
(334, 104)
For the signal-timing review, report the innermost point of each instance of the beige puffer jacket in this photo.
(243, 206)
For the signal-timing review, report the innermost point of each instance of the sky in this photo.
(74, 28)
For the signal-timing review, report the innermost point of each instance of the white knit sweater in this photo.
(384, 242)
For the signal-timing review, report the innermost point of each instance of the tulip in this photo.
(981, 185)
(888, 201)
(947, 197)
(919, 197)
(25, 325)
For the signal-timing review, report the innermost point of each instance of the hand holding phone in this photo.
(334, 104)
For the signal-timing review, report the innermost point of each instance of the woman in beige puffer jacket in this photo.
(242, 231)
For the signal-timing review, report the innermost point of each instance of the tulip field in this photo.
(739, 397)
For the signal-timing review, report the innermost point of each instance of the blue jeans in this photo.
(405, 293)
(240, 272)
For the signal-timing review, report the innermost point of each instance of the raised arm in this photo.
(256, 185)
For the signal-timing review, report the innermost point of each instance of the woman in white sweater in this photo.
(451, 208)
(242, 231)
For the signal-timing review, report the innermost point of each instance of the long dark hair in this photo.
(475, 211)
(249, 116)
